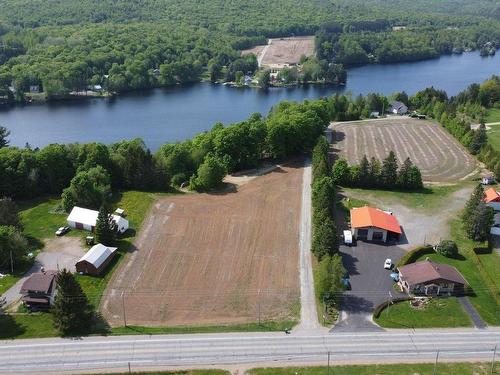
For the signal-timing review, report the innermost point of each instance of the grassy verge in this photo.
(398, 369)
(439, 312)
(327, 315)
(244, 327)
(180, 372)
(429, 198)
(493, 115)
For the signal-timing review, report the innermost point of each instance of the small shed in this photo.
(95, 260)
(83, 218)
(398, 108)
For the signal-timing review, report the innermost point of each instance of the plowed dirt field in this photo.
(438, 155)
(206, 259)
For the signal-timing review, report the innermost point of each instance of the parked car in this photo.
(346, 283)
(347, 238)
(388, 264)
(62, 231)
(395, 276)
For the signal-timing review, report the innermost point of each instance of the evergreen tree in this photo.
(374, 172)
(480, 223)
(9, 214)
(105, 228)
(320, 169)
(389, 172)
(415, 178)
(341, 173)
(4, 133)
(325, 241)
(479, 139)
(71, 311)
(471, 205)
(403, 180)
(323, 195)
(331, 273)
(364, 172)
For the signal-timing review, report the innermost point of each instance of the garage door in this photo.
(362, 234)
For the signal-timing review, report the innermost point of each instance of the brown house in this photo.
(430, 278)
(96, 259)
(39, 290)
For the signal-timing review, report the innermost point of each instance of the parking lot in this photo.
(370, 283)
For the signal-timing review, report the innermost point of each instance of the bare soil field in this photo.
(281, 51)
(204, 259)
(438, 155)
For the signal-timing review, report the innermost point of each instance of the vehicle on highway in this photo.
(62, 231)
(388, 264)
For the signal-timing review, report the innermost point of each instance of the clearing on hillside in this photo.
(283, 51)
(205, 259)
(438, 155)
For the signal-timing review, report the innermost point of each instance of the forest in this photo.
(65, 46)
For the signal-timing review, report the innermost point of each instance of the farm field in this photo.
(281, 51)
(439, 157)
(214, 258)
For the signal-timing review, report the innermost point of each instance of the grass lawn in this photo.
(494, 136)
(439, 312)
(244, 327)
(430, 198)
(26, 326)
(399, 369)
(493, 115)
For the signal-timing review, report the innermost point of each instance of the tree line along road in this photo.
(97, 354)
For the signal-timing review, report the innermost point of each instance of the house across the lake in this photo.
(430, 278)
(83, 218)
(372, 224)
(39, 290)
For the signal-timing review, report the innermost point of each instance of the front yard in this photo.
(437, 313)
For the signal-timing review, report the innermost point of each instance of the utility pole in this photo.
(328, 362)
(123, 308)
(258, 304)
(436, 363)
(389, 301)
(493, 360)
(11, 263)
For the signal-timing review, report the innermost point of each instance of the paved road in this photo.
(308, 312)
(471, 310)
(253, 349)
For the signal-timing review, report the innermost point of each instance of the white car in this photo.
(388, 264)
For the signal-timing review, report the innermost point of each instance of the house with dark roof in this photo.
(398, 108)
(372, 224)
(39, 290)
(430, 278)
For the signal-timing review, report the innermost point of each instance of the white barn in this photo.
(83, 218)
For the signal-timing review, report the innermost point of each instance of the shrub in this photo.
(413, 255)
(447, 248)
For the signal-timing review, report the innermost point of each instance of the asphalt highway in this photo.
(99, 354)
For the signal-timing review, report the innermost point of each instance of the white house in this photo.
(398, 108)
(83, 218)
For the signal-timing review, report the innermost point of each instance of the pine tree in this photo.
(479, 139)
(105, 228)
(480, 223)
(415, 178)
(389, 171)
(374, 174)
(325, 241)
(403, 180)
(471, 206)
(364, 172)
(71, 311)
(341, 173)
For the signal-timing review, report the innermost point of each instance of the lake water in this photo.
(177, 113)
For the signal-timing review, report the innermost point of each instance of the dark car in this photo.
(62, 231)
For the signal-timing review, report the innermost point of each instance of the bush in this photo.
(413, 255)
(447, 248)
(178, 179)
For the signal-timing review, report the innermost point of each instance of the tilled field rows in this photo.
(214, 259)
(439, 156)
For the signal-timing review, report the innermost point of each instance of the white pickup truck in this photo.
(347, 238)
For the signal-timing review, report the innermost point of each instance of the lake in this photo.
(177, 113)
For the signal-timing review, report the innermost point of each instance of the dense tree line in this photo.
(376, 174)
(325, 243)
(65, 46)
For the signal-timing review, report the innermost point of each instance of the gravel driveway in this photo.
(58, 253)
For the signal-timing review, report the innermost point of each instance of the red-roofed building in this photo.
(492, 198)
(372, 224)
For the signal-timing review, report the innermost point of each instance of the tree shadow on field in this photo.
(9, 328)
